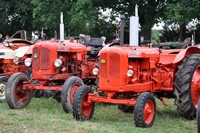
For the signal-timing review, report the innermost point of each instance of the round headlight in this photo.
(27, 62)
(57, 63)
(95, 71)
(130, 73)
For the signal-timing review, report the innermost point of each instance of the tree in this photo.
(15, 15)
(180, 13)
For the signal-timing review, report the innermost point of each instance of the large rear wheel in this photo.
(82, 109)
(16, 96)
(3, 81)
(67, 94)
(187, 86)
(145, 108)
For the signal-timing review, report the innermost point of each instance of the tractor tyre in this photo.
(3, 81)
(68, 90)
(82, 109)
(198, 117)
(16, 96)
(144, 112)
(126, 109)
(187, 86)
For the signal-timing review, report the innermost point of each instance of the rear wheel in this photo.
(145, 108)
(187, 86)
(67, 94)
(3, 81)
(16, 96)
(82, 109)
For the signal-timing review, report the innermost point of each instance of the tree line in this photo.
(88, 16)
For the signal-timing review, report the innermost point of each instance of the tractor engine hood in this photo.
(7, 54)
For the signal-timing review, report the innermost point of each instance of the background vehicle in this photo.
(57, 65)
(13, 52)
(131, 76)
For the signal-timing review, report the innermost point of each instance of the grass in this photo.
(47, 115)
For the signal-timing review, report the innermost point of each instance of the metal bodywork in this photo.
(75, 63)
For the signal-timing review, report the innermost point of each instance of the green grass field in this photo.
(47, 115)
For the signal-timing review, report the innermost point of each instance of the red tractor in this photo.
(13, 52)
(60, 66)
(131, 76)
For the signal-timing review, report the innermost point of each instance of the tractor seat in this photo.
(96, 42)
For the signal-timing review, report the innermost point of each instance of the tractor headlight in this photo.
(27, 62)
(130, 73)
(95, 71)
(57, 63)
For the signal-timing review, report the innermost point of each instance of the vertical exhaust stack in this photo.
(61, 28)
(122, 17)
(134, 24)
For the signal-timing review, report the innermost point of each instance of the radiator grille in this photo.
(114, 65)
(35, 60)
(45, 58)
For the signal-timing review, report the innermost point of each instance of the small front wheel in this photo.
(82, 108)
(3, 81)
(17, 97)
(67, 94)
(144, 111)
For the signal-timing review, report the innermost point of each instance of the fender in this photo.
(186, 52)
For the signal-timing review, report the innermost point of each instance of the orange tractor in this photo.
(131, 76)
(13, 52)
(57, 65)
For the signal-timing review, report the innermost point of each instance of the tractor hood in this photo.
(7, 54)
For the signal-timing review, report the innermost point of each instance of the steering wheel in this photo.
(10, 46)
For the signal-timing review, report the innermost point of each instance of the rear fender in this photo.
(186, 52)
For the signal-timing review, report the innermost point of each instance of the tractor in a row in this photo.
(13, 52)
(60, 66)
(131, 76)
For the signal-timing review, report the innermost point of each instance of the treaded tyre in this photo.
(187, 86)
(3, 81)
(198, 117)
(82, 109)
(126, 109)
(67, 94)
(16, 96)
(144, 112)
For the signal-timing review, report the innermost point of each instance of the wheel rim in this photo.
(195, 87)
(149, 111)
(73, 90)
(2, 90)
(21, 95)
(86, 106)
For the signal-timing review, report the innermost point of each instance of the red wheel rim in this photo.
(21, 95)
(149, 111)
(86, 106)
(73, 90)
(195, 87)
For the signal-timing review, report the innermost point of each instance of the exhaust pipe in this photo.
(61, 28)
(122, 17)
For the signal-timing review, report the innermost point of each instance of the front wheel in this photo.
(67, 94)
(82, 108)
(145, 108)
(16, 96)
(3, 81)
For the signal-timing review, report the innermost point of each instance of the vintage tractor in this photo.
(131, 76)
(13, 52)
(57, 65)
